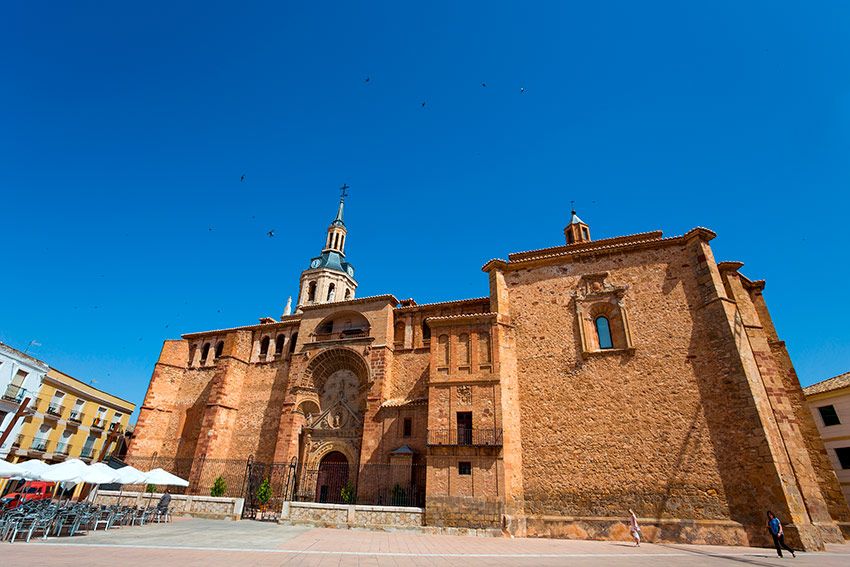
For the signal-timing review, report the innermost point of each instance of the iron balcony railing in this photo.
(55, 409)
(14, 393)
(63, 448)
(346, 334)
(98, 422)
(481, 437)
(115, 426)
(87, 452)
(76, 417)
(40, 444)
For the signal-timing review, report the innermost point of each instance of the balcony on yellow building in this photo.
(41, 444)
(55, 409)
(76, 417)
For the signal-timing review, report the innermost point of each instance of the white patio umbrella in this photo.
(97, 474)
(101, 473)
(72, 470)
(32, 469)
(129, 475)
(163, 477)
(9, 470)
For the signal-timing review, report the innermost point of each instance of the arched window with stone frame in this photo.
(292, 342)
(443, 352)
(311, 291)
(219, 349)
(426, 332)
(278, 344)
(205, 353)
(264, 347)
(331, 292)
(485, 357)
(603, 320)
(463, 351)
(398, 334)
(192, 350)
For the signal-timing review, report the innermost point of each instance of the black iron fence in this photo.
(466, 436)
(265, 486)
(375, 484)
(202, 474)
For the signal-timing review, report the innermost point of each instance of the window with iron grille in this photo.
(464, 468)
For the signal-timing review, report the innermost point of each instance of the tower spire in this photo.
(343, 193)
(330, 276)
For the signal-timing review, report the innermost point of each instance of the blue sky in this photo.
(124, 130)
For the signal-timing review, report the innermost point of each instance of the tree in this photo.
(150, 488)
(264, 492)
(219, 487)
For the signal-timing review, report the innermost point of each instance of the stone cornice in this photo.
(387, 298)
(284, 322)
(619, 245)
(427, 306)
(468, 319)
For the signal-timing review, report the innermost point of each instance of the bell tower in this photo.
(576, 230)
(330, 277)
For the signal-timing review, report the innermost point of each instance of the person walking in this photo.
(775, 527)
(634, 528)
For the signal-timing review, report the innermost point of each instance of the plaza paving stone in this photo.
(208, 543)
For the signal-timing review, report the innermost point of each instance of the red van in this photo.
(31, 491)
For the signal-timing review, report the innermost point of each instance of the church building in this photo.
(597, 376)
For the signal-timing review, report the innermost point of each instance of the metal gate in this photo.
(280, 479)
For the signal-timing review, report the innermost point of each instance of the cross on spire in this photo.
(343, 191)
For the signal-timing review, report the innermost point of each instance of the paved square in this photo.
(187, 542)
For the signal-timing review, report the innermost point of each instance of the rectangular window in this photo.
(19, 378)
(464, 468)
(88, 445)
(464, 428)
(829, 415)
(843, 454)
(408, 427)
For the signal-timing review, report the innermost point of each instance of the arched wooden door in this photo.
(332, 478)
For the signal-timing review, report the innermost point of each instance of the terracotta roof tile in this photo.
(834, 383)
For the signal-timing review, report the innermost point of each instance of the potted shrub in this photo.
(264, 494)
(219, 487)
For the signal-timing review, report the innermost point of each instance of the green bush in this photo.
(150, 488)
(264, 492)
(347, 493)
(219, 487)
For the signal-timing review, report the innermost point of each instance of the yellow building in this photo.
(70, 418)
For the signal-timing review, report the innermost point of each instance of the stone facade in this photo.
(597, 376)
(351, 516)
(212, 507)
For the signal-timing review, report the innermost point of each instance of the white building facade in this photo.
(829, 402)
(20, 378)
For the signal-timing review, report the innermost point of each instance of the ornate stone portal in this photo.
(337, 380)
